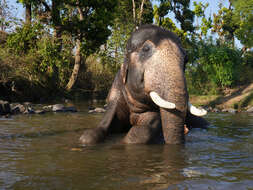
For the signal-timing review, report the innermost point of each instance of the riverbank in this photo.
(21, 90)
(239, 98)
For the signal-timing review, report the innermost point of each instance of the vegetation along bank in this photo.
(73, 49)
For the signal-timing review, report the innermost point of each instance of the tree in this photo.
(28, 10)
(86, 21)
(124, 23)
(243, 15)
(141, 11)
(181, 10)
(224, 25)
(89, 21)
(206, 23)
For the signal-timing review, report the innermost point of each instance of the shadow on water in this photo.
(45, 154)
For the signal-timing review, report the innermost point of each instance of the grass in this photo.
(203, 100)
(245, 102)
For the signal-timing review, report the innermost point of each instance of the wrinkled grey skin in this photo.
(155, 61)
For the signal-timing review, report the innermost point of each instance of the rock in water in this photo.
(62, 108)
(250, 110)
(58, 108)
(5, 107)
(97, 110)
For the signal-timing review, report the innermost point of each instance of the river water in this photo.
(42, 152)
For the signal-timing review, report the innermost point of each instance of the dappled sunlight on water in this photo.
(42, 152)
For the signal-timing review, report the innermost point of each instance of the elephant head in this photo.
(153, 75)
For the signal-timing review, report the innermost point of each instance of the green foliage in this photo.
(206, 23)
(112, 53)
(213, 67)
(248, 58)
(243, 16)
(41, 55)
(98, 75)
(43, 51)
(25, 38)
(181, 10)
(221, 64)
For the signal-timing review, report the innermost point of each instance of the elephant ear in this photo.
(124, 71)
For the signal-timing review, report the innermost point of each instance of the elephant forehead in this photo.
(149, 32)
(168, 50)
(166, 64)
(167, 58)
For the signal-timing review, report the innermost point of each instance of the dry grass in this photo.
(239, 98)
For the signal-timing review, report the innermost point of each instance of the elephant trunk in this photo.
(172, 125)
(173, 119)
(169, 92)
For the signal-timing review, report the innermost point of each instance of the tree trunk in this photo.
(78, 56)
(141, 12)
(134, 13)
(78, 60)
(28, 13)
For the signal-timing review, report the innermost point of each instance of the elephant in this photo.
(148, 99)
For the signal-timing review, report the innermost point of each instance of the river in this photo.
(42, 152)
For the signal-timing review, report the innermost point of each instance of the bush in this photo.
(25, 38)
(213, 67)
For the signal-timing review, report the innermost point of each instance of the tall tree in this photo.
(243, 16)
(206, 23)
(138, 8)
(86, 21)
(78, 55)
(181, 10)
(89, 25)
(123, 24)
(224, 25)
(28, 10)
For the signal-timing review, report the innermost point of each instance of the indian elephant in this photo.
(148, 98)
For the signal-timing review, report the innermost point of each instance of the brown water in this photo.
(42, 152)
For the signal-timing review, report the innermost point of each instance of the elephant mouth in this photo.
(169, 105)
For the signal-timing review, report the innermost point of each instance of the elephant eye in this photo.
(146, 52)
(146, 48)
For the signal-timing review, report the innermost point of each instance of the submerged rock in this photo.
(97, 110)
(229, 110)
(39, 111)
(17, 108)
(27, 108)
(215, 110)
(62, 108)
(5, 107)
(250, 110)
(58, 108)
(70, 109)
(47, 108)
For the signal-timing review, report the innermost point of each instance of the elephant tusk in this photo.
(196, 111)
(161, 102)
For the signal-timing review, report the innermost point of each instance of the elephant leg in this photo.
(146, 129)
(193, 121)
(116, 112)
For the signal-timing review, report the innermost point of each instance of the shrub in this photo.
(213, 67)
